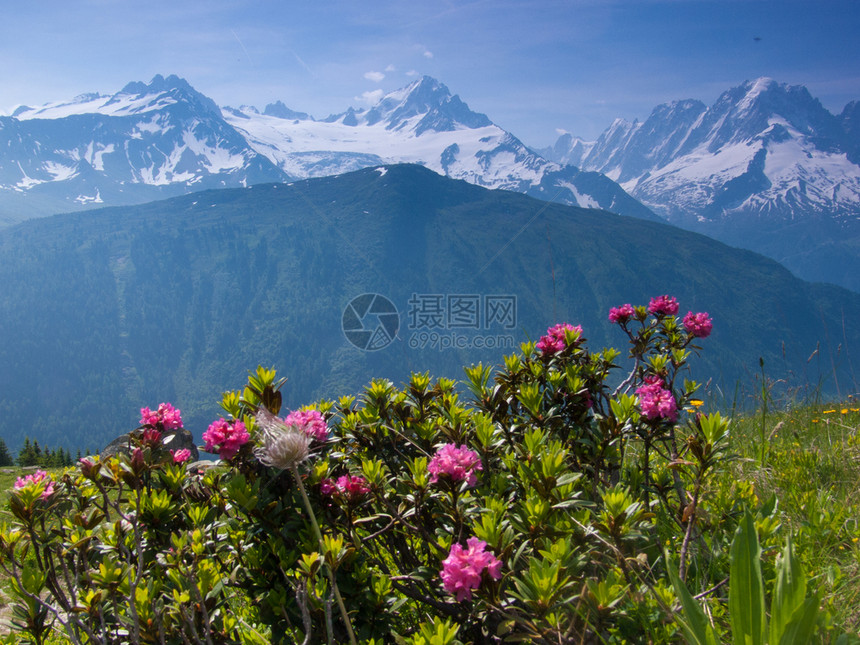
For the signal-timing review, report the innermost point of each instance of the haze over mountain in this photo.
(112, 309)
(164, 138)
(766, 167)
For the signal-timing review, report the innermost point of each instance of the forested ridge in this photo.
(107, 311)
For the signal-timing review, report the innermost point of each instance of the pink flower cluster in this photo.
(555, 339)
(226, 438)
(655, 401)
(151, 436)
(463, 568)
(663, 305)
(310, 421)
(458, 463)
(166, 415)
(37, 478)
(181, 456)
(347, 487)
(622, 314)
(698, 325)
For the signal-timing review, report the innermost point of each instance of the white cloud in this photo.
(561, 131)
(412, 72)
(428, 53)
(370, 97)
(390, 69)
(374, 76)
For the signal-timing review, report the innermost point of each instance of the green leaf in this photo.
(746, 589)
(789, 592)
(697, 629)
(802, 625)
(33, 579)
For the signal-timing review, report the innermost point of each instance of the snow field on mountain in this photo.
(278, 139)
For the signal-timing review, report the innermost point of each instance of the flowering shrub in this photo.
(181, 456)
(463, 569)
(311, 422)
(166, 417)
(548, 502)
(38, 480)
(655, 401)
(457, 463)
(556, 338)
(663, 306)
(346, 487)
(698, 325)
(225, 438)
(622, 314)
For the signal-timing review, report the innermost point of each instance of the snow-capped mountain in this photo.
(568, 149)
(422, 123)
(164, 138)
(763, 150)
(766, 167)
(144, 142)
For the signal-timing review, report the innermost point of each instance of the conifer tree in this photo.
(27, 455)
(5, 456)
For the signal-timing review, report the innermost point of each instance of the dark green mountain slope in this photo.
(106, 311)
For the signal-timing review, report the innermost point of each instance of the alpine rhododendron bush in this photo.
(561, 498)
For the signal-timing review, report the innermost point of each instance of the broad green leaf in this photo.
(746, 589)
(789, 592)
(800, 628)
(697, 629)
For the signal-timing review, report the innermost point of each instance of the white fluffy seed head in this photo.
(282, 446)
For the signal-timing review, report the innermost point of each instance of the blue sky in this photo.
(534, 67)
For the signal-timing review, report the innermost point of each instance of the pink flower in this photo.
(621, 314)
(698, 325)
(151, 436)
(328, 487)
(311, 421)
(40, 477)
(655, 401)
(347, 487)
(181, 456)
(166, 415)
(226, 438)
(663, 305)
(458, 463)
(137, 461)
(463, 569)
(89, 467)
(555, 339)
(354, 486)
